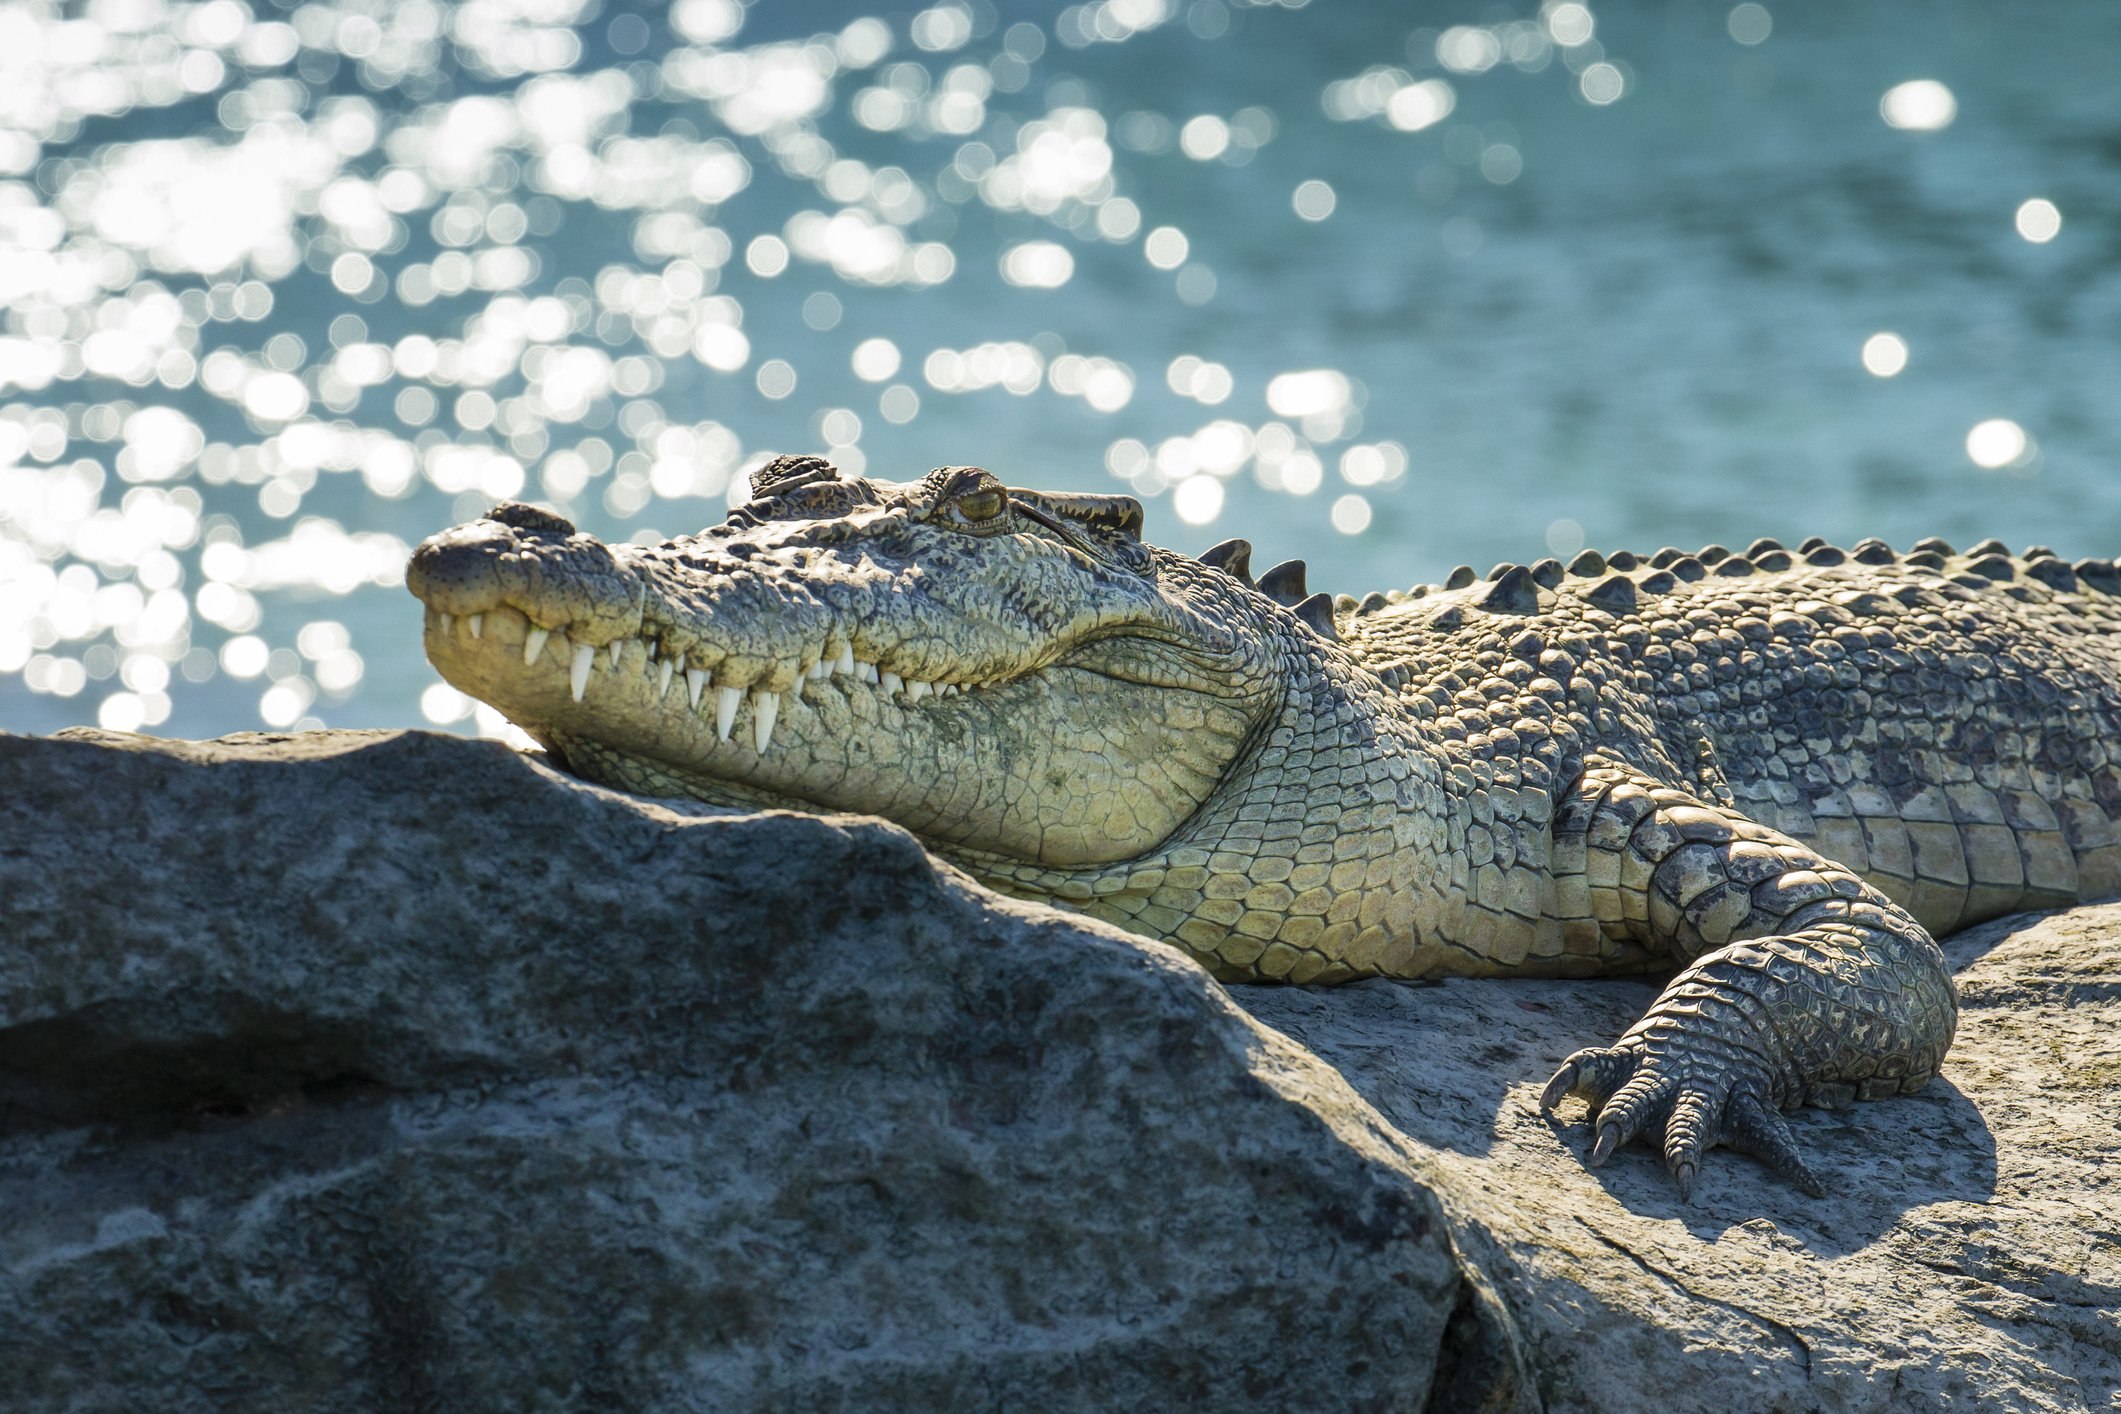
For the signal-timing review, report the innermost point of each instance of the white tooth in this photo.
(534, 644)
(865, 671)
(765, 709)
(695, 684)
(917, 689)
(616, 644)
(725, 711)
(845, 662)
(821, 670)
(476, 623)
(892, 682)
(578, 670)
(663, 671)
(449, 621)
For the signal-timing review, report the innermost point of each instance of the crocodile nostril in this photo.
(532, 518)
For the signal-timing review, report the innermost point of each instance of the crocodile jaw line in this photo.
(942, 758)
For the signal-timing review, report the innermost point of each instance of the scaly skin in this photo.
(1783, 773)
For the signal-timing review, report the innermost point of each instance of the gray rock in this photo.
(393, 1071)
(1968, 1256)
(396, 1072)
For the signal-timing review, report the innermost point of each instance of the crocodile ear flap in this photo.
(1119, 514)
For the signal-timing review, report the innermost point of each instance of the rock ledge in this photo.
(396, 1071)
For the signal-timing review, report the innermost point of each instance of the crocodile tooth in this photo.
(613, 651)
(845, 662)
(725, 711)
(534, 644)
(448, 622)
(663, 673)
(821, 669)
(476, 623)
(865, 671)
(917, 689)
(578, 670)
(695, 684)
(892, 682)
(765, 710)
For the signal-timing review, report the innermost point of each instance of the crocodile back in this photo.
(1944, 724)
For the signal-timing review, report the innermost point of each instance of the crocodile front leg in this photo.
(1805, 985)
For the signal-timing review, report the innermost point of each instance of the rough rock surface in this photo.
(398, 1072)
(369, 1070)
(1968, 1256)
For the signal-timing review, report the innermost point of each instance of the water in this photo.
(1386, 287)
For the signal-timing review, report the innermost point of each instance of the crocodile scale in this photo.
(1782, 772)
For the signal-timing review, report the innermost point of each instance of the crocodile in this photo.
(1776, 774)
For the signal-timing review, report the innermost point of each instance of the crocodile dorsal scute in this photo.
(1516, 592)
(1233, 557)
(1284, 583)
(1317, 611)
(1588, 565)
(2054, 574)
(1615, 594)
(2099, 574)
(1873, 551)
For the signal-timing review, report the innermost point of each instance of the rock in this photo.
(395, 1071)
(1968, 1256)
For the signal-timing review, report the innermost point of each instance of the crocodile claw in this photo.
(1696, 1106)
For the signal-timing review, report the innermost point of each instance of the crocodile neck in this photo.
(1327, 838)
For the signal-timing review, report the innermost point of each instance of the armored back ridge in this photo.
(1779, 771)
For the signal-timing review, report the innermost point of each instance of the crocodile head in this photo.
(1009, 672)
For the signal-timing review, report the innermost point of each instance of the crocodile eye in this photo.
(982, 505)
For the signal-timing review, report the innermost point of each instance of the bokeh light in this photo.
(1919, 105)
(1998, 443)
(2039, 221)
(1750, 23)
(1884, 355)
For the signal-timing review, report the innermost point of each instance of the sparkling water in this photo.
(1389, 287)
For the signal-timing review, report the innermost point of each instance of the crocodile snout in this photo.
(529, 559)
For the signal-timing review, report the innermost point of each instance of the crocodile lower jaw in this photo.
(501, 656)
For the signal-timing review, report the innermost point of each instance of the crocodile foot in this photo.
(1697, 1096)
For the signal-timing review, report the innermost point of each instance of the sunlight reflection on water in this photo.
(286, 288)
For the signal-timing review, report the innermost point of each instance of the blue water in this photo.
(286, 291)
